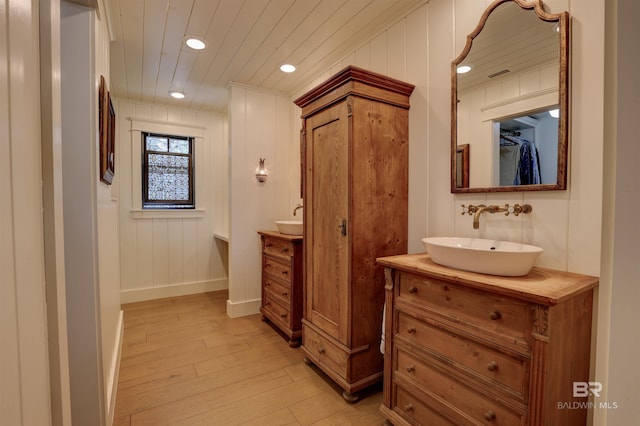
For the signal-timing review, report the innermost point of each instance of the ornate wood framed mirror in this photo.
(510, 109)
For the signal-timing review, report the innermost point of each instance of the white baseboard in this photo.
(152, 293)
(114, 371)
(244, 308)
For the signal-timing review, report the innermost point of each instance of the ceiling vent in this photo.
(495, 74)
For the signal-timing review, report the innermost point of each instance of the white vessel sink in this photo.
(485, 256)
(289, 227)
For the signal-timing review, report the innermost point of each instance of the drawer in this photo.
(410, 407)
(278, 289)
(465, 354)
(477, 406)
(275, 311)
(325, 351)
(277, 269)
(496, 314)
(277, 247)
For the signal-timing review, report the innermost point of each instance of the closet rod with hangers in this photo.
(507, 138)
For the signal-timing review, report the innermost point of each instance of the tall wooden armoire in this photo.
(355, 189)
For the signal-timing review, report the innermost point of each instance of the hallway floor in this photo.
(185, 362)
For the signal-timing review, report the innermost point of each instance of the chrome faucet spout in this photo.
(299, 206)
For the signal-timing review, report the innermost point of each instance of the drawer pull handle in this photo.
(495, 315)
(408, 408)
(413, 290)
(285, 250)
(285, 294)
(321, 350)
(490, 416)
(268, 245)
(411, 368)
(283, 315)
(267, 284)
(285, 272)
(492, 366)
(411, 330)
(267, 304)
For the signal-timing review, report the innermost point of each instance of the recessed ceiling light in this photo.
(176, 94)
(463, 69)
(287, 68)
(196, 43)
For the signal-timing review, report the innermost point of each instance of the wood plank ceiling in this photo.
(247, 41)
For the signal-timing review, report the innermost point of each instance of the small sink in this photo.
(289, 227)
(485, 256)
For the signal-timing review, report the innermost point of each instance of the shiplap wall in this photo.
(174, 253)
(24, 371)
(260, 126)
(419, 49)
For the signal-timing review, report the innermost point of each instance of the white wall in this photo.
(619, 340)
(24, 376)
(260, 126)
(419, 49)
(111, 317)
(171, 253)
(52, 197)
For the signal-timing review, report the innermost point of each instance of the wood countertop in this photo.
(543, 286)
(281, 235)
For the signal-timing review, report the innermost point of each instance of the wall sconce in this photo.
(261, 172)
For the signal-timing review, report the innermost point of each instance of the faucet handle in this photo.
(525, 209)
(471, 209)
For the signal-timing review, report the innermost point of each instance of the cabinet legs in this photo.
(347, 396)
(294, 343)
(350, 397)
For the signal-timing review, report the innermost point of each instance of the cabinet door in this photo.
(327, 219)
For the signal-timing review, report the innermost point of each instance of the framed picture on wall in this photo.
(107, 127)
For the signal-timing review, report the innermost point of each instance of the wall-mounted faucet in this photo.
(476, 211)
(299, 206)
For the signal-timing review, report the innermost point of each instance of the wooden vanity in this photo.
(282, 283)
(472, 349)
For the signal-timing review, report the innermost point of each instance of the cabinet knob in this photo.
(411, 330)
(285, 294)
(495, 315)
(283, 315)
(267, 304)
(492, 366)
(408, 408)
(268, 245)
(321, 350)
(489, 416)
(413, 290)
(411, 368)
(285, 272)
(285, 250)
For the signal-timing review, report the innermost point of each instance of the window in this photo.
(167, 172)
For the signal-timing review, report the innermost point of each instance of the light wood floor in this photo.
(185, 362)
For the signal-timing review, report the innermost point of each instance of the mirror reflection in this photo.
(510, 103)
